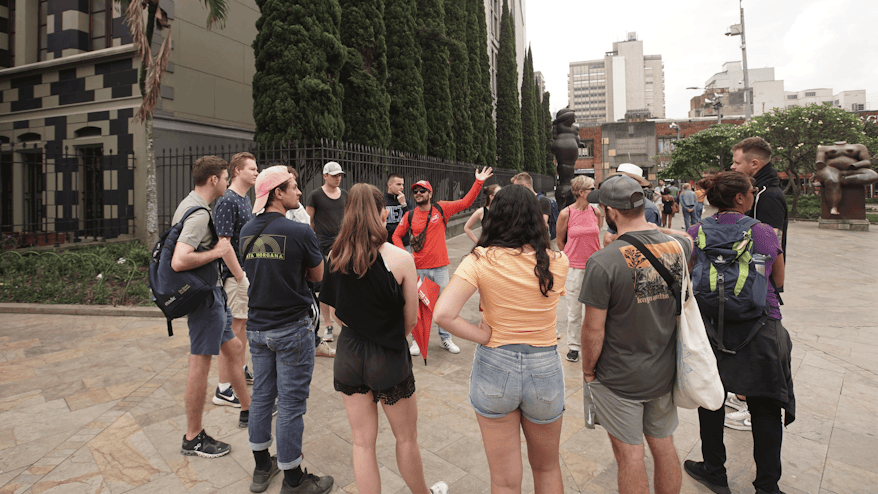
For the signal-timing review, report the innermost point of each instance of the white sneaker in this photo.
(733, 402)
(324, 350)
(439, 488)
(450, 346)
(327, 334)
(739, 421)
(414, 349)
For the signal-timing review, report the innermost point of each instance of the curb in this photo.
(81, 310)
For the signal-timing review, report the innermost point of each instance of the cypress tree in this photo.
(539, 129)
(408, 118)
(549, 158)
(366, 105)
(509, 139)
(456, 30)
(296, 89)
(436, 73)
(481, 98)
(530, 162)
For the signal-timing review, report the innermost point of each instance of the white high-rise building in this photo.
(625, 82)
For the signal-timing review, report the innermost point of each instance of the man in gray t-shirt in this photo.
(628, 344)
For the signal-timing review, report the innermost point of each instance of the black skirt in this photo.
(362, 366)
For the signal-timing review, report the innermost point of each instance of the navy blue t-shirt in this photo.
(231, 213)
(276, 267)
(395, 212)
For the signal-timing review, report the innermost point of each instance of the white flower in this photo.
(101, 276)
(121, 260)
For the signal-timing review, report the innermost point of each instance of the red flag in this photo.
(428, 294)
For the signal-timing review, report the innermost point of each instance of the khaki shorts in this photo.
(628, 420)
(237, 295)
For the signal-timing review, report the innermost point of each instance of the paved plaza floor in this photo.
(94, 404)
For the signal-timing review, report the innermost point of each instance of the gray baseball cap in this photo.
(332, 168)
(619, 192)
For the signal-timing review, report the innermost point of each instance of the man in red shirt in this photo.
(431, 260)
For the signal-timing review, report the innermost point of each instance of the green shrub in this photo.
(96, 275)
(873, 218)
(809, 206)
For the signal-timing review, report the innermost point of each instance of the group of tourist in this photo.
(365, 251)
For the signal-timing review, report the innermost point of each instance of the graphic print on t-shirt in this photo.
(267, 247)
(648, 283)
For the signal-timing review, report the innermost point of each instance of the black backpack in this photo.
(418, 241)
(178, 294)
(553, 216)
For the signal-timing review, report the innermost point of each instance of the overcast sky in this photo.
(810, 43)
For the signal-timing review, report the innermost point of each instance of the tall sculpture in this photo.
(565, 147)
(844, 167)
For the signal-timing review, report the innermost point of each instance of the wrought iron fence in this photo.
(451, 180)
(49, 198)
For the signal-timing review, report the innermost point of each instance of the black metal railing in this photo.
(49, 198)
(451, 180)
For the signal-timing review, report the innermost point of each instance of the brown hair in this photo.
(523, 177)
(206, 167)
(292, 171)
(754, 147)
(362, 232)
(271, 197)
(489, 190)
(237, 162)
(722, 188)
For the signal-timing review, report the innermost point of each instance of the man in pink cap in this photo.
(427, 223)
(280, 257)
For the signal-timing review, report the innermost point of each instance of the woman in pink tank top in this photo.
(579, 229)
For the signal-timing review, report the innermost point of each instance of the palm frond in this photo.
(154, 75)
(134, 21)
(217, 11)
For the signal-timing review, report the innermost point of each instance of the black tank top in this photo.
(371, 306)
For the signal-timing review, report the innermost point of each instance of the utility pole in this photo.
(738, 30)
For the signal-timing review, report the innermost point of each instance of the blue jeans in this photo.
(283, 361)
(440, 277)
(504, 380)
(688, 218)
(699, 208)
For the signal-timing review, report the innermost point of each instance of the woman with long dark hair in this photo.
(373, 287)
(758, 368)
(488, 191)
(517, 381)
(668, 206)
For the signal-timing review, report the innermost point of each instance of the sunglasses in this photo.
(420, 191)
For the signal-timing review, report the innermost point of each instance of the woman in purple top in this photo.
(760, 370)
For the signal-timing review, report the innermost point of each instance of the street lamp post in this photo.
(715, 103)
(738, 30)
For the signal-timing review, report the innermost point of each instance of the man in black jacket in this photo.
(396, 205)
(752, 157)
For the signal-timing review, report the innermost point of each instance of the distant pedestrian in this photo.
(479, 215)
(397, 206)
(517, 382)
(326, 208)
(699, 206)
(279, 256)
(688, 202)
(579, 236)
(427, 224)
(628, 338)
(373, 287)
(669, 207)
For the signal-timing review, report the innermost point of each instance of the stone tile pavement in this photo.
(95, 404)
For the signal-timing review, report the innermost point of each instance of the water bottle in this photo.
(759, 260)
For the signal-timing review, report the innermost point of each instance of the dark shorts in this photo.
(362, 366)
(207, 325)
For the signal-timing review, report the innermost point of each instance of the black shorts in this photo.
(362, 366)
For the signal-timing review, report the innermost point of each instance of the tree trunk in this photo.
(794, 180)
(152, 219)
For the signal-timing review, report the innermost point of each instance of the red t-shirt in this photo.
(435, 253)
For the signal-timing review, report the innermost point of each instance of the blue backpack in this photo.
(553, 216)
(726, 276)
(179, 293)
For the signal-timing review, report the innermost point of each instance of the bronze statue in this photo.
(565, 147)
(842, 165)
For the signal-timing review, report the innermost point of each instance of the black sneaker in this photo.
(311, 484)
(205, 446)
(248, 375)
(716, 483)
(573, 355)
(262, 479)
(244, 420)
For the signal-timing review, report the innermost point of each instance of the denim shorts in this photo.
(207, 325)
(504, 380)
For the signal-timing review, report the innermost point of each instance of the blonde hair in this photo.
(362, 231)
(580, 184)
